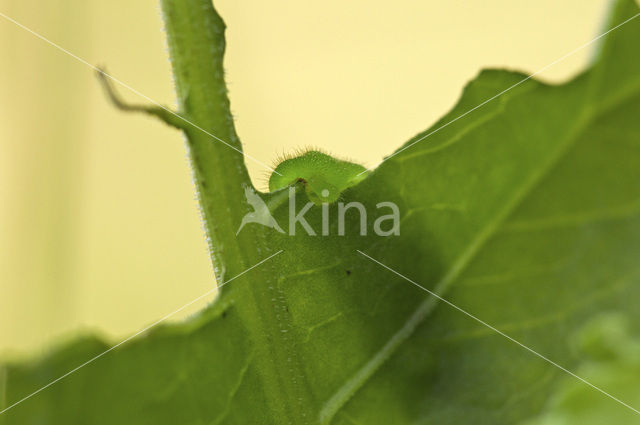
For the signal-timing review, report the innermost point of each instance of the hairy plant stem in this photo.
(196, 44)
(195, 35)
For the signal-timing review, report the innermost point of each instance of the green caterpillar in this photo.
(323, 176)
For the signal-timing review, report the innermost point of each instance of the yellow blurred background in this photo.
(99, 227)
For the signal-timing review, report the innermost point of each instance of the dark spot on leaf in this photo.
(348, 272)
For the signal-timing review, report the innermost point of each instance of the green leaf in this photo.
(612, 360)
(524, 213)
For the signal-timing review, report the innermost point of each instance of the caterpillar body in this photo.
(323, 176)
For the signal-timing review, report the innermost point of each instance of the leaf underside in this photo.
(525, 213)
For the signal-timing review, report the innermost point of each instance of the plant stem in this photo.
(196, 44)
